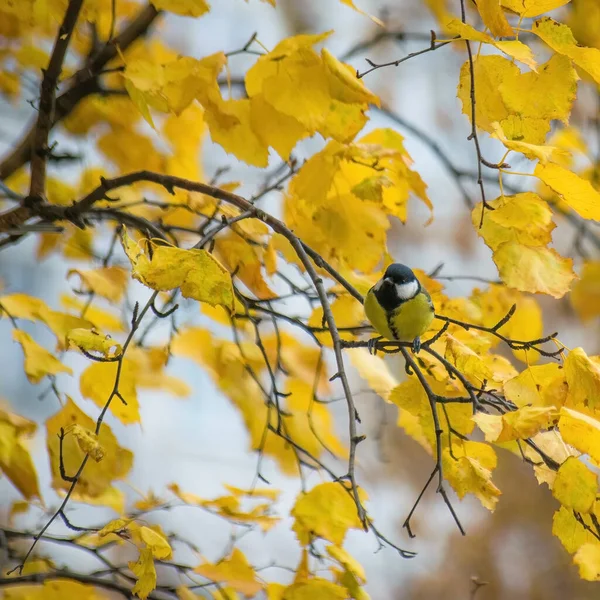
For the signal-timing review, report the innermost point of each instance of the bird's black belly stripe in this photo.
(390, 318)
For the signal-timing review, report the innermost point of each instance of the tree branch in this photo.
(46, 107)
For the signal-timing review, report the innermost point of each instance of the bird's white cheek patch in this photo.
(406, 291)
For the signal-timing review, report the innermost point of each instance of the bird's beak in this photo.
(388, 281)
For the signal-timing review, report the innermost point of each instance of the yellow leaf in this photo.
(22, 306)
(374, 370)
(232, 125)
(274, 128)
(97, 477)
(327, 511)
(583, 378)
(92, 341)
(532, 8)
(318, 91)
(344, 84)
(184, 593)
(534, 269)
(156, 542)
(575, 486)
(351, 4)
(517, 231)
(196, 272)
(168, 87)
(539, 386)
(576, 192)
(517, 425)
(347, 561)
(315, 588)
(38, 361)
(560, 38)
(523, 103)
(569, 531)
(114, 526)
(108, 282)
(587, 559)
(145, 573)
(15, 461)
(269, 493)
(87, 441)
(347, 311)
(469, 471)
(235, 571)
(186, 8)
(585, 294)
(275, 591)
(99, 318)
(523, 218)
(97, 383)
(245, 260)
(300, 361)
(130, 151)
(514, 49)
(530, 151)
(468, 362)
(493, 18)
(581, 431)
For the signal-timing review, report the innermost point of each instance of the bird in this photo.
(398, 307)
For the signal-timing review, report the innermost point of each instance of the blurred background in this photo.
(201, 443)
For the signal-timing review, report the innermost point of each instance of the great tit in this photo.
(398, 306)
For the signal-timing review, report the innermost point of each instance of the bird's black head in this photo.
(399, 274)
(398, 285)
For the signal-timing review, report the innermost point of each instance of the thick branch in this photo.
(47, 101)
(84, 83)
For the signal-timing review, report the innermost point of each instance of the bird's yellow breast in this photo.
(406, 322)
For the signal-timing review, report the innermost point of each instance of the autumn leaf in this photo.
(87, 441)
(583, 378)
(514, 49)
(91, 341)
(97, 477)
(15, 460)
(520, 424)
(97, 382)
(581, 431)
(585, 294)
(196, 272)
(587, 559)
(517, 230)
(108, 282)
(235, 571)
(532, 8)
(576, 192)
(560, 38)
(524, 104)
(327, 511)
(38, 361)
(469, 471)
(186, 8)
(144, 572)
(493, 17)
(575, 486)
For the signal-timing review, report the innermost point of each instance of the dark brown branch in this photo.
(135, 323)
(46, 107)
(473, 135)
(83, 83)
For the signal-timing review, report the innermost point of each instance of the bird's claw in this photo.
(416, 345)
(372, 345)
